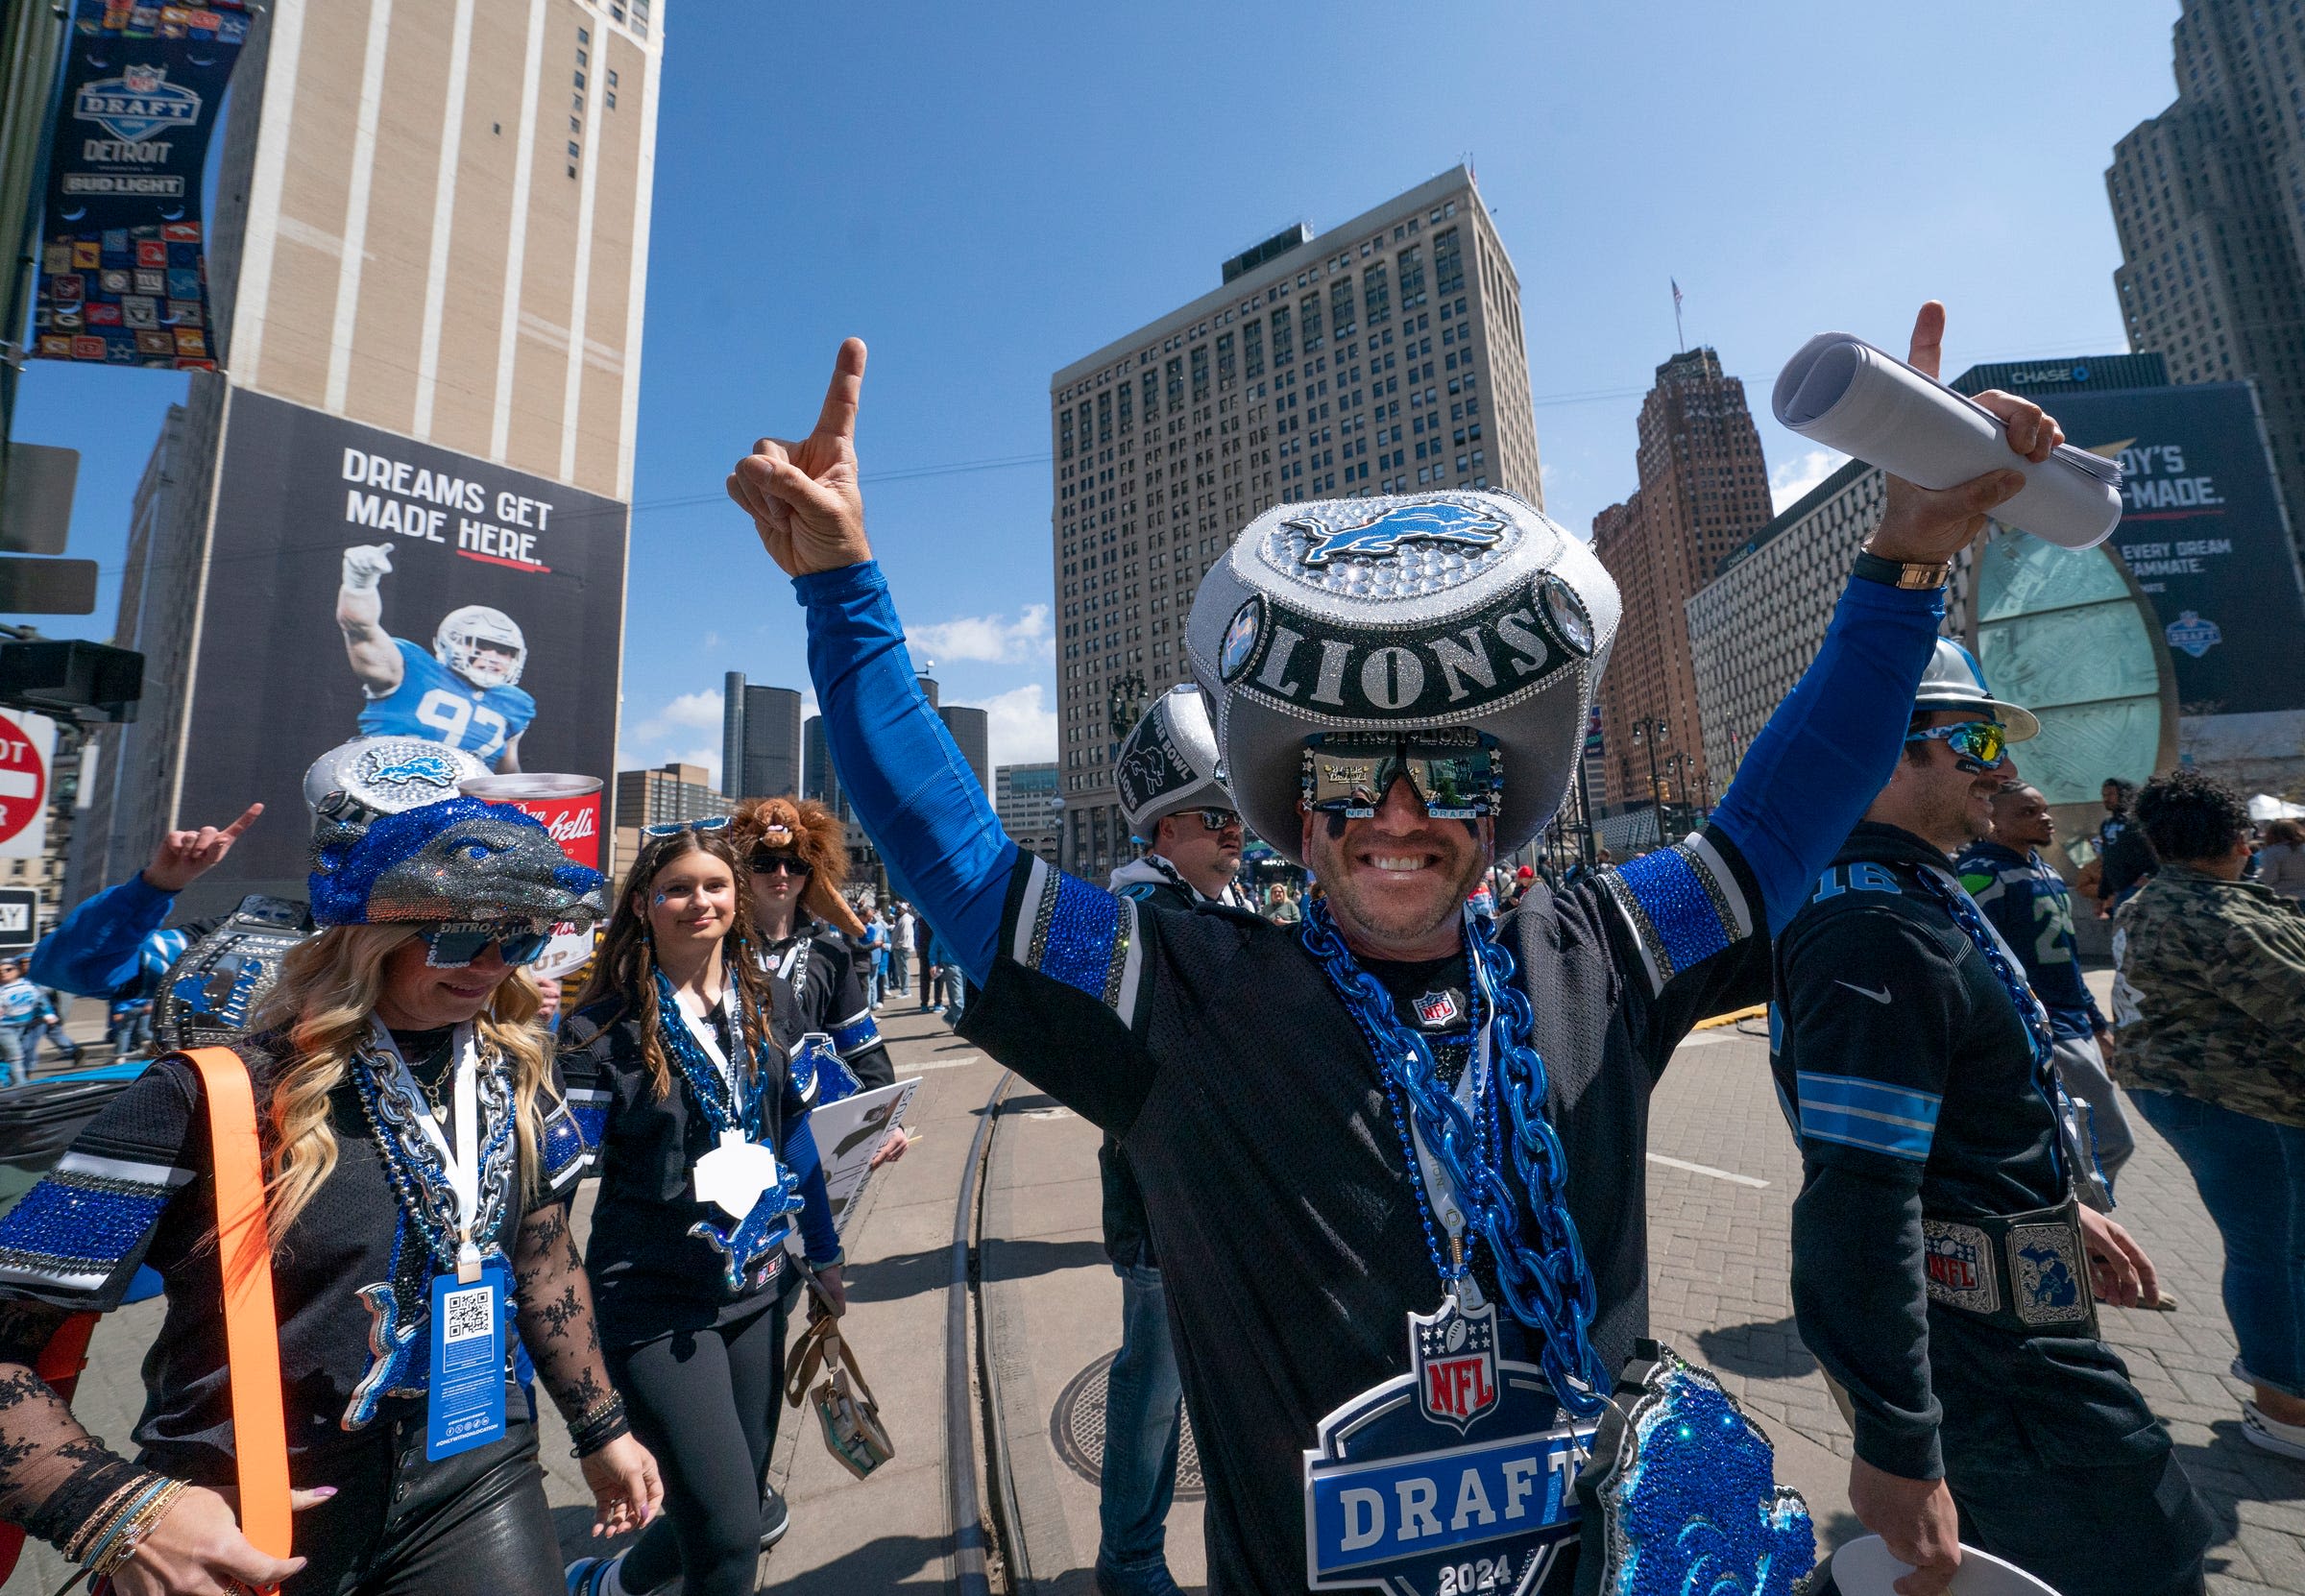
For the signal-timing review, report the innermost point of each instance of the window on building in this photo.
(1252, 347)
(1284, 347)
(1449, 265)
(1411, 279)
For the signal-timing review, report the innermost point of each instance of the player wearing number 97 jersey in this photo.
(464, 692)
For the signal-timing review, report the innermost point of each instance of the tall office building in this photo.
(1704, 489)
(434, 219)
(431, 219)
(972, 732)
(1380, 356)
(759, 739)
(2209, 200)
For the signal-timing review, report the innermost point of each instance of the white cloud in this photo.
(1797, 476)
(995, 640)
(690, 712)
(1019, 730)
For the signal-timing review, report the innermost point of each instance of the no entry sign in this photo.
(26, 743)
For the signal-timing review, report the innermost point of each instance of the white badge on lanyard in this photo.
(461, 1161)
(733, 1175)
(1440, 1190)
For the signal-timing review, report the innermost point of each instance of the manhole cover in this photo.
(1077, 1430)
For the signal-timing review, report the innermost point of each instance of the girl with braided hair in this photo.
(679, 1075)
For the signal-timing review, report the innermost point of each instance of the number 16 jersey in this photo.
(434, 702)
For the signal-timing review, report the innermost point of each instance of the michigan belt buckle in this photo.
(2047, 1274)
(1455, 1479)
(1959, 1262)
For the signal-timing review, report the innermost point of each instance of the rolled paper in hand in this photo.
(1841, 392)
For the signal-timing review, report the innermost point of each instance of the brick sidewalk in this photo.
(1718, 1267)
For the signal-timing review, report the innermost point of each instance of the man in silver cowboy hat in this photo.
(1176, 804)
(1325, 1151)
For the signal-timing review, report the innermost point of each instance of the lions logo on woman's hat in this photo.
(1383, 615)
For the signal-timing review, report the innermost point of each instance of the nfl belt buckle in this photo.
(1455, 1479)
(2047, 1276)
(1959, 1262)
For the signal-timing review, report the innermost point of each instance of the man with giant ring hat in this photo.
(1328, 1158)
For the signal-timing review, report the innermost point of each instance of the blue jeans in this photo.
(14, 1054)
(956, 986)
(1142, 1419)
(2252, 1175)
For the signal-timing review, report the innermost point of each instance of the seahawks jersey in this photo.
(434, 702)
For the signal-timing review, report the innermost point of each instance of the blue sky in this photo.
(986, 193)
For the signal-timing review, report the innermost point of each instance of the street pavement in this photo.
(1723, 1172)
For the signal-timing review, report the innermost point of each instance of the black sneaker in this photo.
(775, 1517)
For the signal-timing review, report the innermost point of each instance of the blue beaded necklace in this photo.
(1540, 1267)
(715, 1093)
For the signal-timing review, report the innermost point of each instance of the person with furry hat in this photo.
(796, 863)
(418, 1149)
(1398, 1115)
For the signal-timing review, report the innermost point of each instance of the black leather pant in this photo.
(472, 1525)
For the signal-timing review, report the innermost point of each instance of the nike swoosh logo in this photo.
(1880, 997)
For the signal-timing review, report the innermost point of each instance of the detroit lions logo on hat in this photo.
(1382, 536)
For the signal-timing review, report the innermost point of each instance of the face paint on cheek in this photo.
(658, 902)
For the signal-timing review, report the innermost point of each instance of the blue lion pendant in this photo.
(763, 1231)
(1688, 1493)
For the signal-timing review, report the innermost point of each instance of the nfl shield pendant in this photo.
(1455, 1479)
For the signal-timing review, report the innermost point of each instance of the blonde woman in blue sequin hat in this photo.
(414, 1143)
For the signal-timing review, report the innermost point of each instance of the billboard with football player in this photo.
(359, 583)
(123, 268)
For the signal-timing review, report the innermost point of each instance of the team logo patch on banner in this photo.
(2045, 1275)
(1455, 1479)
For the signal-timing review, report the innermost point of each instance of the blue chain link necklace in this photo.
(1540, 1267)
(414, 1170)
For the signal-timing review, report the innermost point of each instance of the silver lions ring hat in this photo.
(1168, 764)
(1382, 616)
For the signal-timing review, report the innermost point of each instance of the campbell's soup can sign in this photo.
(568, 807)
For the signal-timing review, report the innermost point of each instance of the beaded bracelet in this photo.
(141, 1523)
(599, 1426)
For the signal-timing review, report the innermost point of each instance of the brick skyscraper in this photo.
(2210, 206)
(1704, 490)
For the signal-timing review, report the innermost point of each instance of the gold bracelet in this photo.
(131, 1534)
(76, 1549)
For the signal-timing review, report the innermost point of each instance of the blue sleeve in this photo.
(900, 768)
(819, 1237)
(98, 948)
(1817, 764)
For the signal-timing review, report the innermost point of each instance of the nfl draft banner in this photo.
(122, 258)
(360, 583)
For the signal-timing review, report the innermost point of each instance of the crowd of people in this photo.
(1373, 1169)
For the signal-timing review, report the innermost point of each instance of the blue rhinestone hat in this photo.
(460, 858)
(1387, 614)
